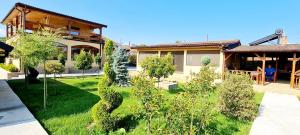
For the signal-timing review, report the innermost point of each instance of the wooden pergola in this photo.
(264, 53)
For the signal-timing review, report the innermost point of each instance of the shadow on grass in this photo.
(63, 99)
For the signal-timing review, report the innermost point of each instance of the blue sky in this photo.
(165, 21)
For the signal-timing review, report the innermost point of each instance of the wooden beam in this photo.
(227, 57)
(264, 69)
(292, 81)
(257, 55)
(7, 30)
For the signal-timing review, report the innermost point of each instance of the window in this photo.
(193, 58)
(144, 54)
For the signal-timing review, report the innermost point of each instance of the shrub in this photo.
(237, 97)
(98, 59)
(150, 99)
(62, 58)
(202, 82)
(54, 67)
(9, 67)
(205, 60)
(110, 100)
(108, 51)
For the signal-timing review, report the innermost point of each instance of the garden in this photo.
(116, 103)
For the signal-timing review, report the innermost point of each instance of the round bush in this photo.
(237, 97)
(205, 60)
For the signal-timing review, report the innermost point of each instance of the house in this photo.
(187, 56)
(78, 33)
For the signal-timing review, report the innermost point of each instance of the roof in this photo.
(219, 43)
(49, 12)
(267, 48)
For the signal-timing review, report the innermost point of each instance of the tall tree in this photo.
(120, 66)
(159, 67)
(108, 68)
(84, 61)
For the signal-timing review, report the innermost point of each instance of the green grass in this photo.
(70, 101)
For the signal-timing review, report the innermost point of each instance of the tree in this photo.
(159, 67)
(120, 66)
(150, 99)
(42, 44)
(205, 60)
(54, 68)
(62, 58)
(108, 68)
(98, 60)
(84, 61)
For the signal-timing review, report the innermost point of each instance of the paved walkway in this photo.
(279, 114)
(15, 118)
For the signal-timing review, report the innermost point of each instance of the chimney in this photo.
(282, 40)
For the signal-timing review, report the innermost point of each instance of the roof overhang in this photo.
(266, 48)
(19, 6)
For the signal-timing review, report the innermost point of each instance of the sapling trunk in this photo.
(45, 91)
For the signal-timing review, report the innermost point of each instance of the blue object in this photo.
(270, 73)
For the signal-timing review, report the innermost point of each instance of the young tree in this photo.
(98, 60)
(120, 66)
(42, 44)
(149, 97)
(62, 58)
(159, 67)
(54, 68)
(84, 61)
(108, 69)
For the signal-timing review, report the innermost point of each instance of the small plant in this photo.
(159, 67)
(62, 58)
(84, 61)
(205, 60)
(120, 67)
(9, 67)
(150, 99)
(237, 97)
(132, 59)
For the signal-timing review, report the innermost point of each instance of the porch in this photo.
(255, 60)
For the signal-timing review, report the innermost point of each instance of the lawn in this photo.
(70, 101)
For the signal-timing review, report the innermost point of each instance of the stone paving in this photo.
(15, 118)
(279, 114)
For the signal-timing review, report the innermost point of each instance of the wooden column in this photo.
(292, 81)
(23, 20)
(276, 72)
(264, 69)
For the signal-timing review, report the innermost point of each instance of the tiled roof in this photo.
(219, 43)
(266, 48)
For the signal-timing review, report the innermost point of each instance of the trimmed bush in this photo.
(62, 58)
(110, 100)
(9, 67)
(54, 67)
(237, 97)
(205, 60)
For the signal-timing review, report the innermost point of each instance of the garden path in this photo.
(279, 114)
(15, 118)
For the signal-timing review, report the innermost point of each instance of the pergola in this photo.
(281, 55)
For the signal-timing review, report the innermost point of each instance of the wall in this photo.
(183, 77)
